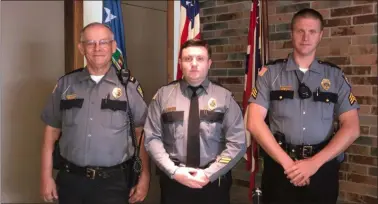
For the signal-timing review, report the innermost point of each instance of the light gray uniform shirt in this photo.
(303, 121)
(93, 117)
(222, 132)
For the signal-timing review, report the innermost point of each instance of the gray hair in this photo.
(92, 25)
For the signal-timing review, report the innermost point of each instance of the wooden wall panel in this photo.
(73, 23)
(170, 40)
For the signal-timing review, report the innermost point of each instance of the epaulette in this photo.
(173, 82)
(329, 64)
(218, 84)
(132, 79)
(271, 62)
(73, 71)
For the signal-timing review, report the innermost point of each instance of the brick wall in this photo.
(349, 40)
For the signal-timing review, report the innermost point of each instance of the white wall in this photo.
(92, 12)
(32, 59)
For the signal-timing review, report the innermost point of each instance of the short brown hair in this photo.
(196, 43)
(307, 13)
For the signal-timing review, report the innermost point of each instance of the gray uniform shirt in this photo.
(303, 121)
(222, 132)
(93, 117)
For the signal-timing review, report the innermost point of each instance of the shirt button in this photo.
(89, 135)
(304, 112)
(90, 118)
(304, 128)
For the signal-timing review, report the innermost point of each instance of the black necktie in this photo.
(193, 142)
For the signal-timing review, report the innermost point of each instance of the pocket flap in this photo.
(173, 116)
(325, 97)
(114, 105)
(73, 103)
(211, 116)
(280, 95)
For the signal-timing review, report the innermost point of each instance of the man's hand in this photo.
(201, 177)
(289, 165)
(139, 192)
(48, 189)
(184, 175)
(301, 171)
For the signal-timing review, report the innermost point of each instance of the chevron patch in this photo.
(352, 99)
(254, 92)
(224, 160)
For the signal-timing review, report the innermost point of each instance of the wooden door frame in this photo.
(170, 40)
(73, 23)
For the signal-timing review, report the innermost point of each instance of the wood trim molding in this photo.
(170, 40)
(73, 23)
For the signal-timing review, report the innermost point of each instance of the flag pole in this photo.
(265, 24)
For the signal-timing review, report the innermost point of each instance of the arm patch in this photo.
(254, 92)
(139, 90)
(352, 99)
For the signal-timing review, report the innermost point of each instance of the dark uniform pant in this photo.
(173, 192)
(78, 189)
(323, 188)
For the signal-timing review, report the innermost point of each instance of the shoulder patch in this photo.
(329, 64)
(262, 71)
(276, 61)
(139, 90)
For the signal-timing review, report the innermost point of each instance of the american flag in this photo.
(189, 24)
(253, 63)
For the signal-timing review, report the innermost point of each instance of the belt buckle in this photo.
(306, 151)
(91, 173)
(292, 153)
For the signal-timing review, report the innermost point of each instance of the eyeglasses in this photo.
(199, 59)
(91, 44)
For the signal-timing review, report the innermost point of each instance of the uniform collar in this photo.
(291, 65)
(184, 85)
(110, 75)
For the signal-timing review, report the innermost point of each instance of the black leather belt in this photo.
(202, 167)
(303, 151)
(93, 172)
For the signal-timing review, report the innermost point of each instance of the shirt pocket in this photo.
(328, 100)
(173, 123)
(213, 121)
(115, 114)
(70, 109)
(282, 103)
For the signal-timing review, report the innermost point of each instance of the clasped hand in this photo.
(300, 172)
(191, 177)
